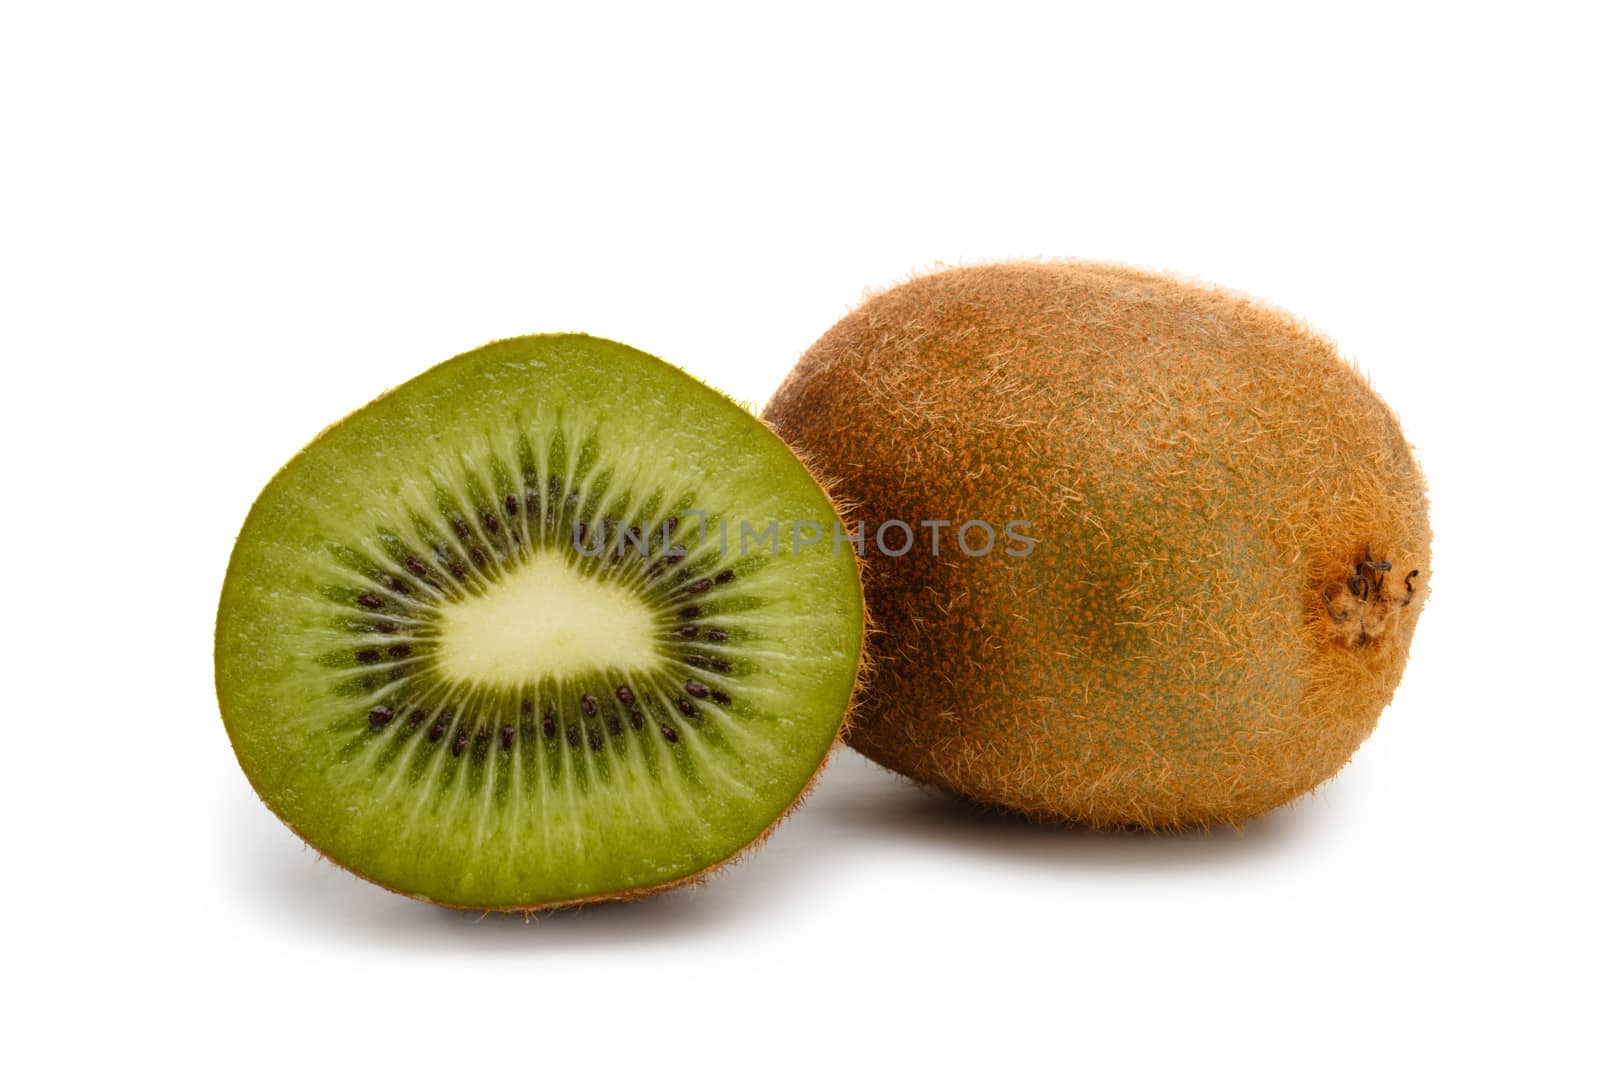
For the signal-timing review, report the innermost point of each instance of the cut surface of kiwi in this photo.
(532, 629)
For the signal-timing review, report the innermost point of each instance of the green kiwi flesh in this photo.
(483, 642)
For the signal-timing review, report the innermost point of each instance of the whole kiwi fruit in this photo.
(500, 639)
(1221, 550)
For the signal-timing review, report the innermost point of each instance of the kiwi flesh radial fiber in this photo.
(1231, 540)
(481, 642)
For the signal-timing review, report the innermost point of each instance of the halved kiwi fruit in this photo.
(518, 633)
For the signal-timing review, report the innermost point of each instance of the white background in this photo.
(226, 225)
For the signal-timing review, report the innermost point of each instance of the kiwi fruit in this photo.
(517, 634)
(1218, 550)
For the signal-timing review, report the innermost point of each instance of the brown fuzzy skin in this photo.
(1198, 635)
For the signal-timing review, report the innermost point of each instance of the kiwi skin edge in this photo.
(1147, 426)
(634, 892)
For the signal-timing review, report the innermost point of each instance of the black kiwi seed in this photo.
(380, 716)
(721, 698)
(416, 717)
(614, 724)
(625, 696)
(399, 651)
(399, 585)
(689, 612)
(688, 631)
(716, 635)
(669, 733)
(549, 727)
(384, 626)
(460, 745)
(368, 655)
(436, 731)
(416, 566)
(694, 688)
(595, 740)
(725, 577)
(686, 706)
(590, 705)
(636, 719)
(370, 600)
(572, 734)
(508, 734)
(668, 559)
(511, 503)
(700, 586)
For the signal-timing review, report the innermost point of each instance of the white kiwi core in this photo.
(545, 621)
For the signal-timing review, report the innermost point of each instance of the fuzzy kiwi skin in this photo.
(1196, 637)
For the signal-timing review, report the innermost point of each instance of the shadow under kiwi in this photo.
(289, 883)
(857, 808)
(862, 805)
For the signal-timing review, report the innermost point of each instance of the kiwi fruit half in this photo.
(517, 634)
(1215, 540)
